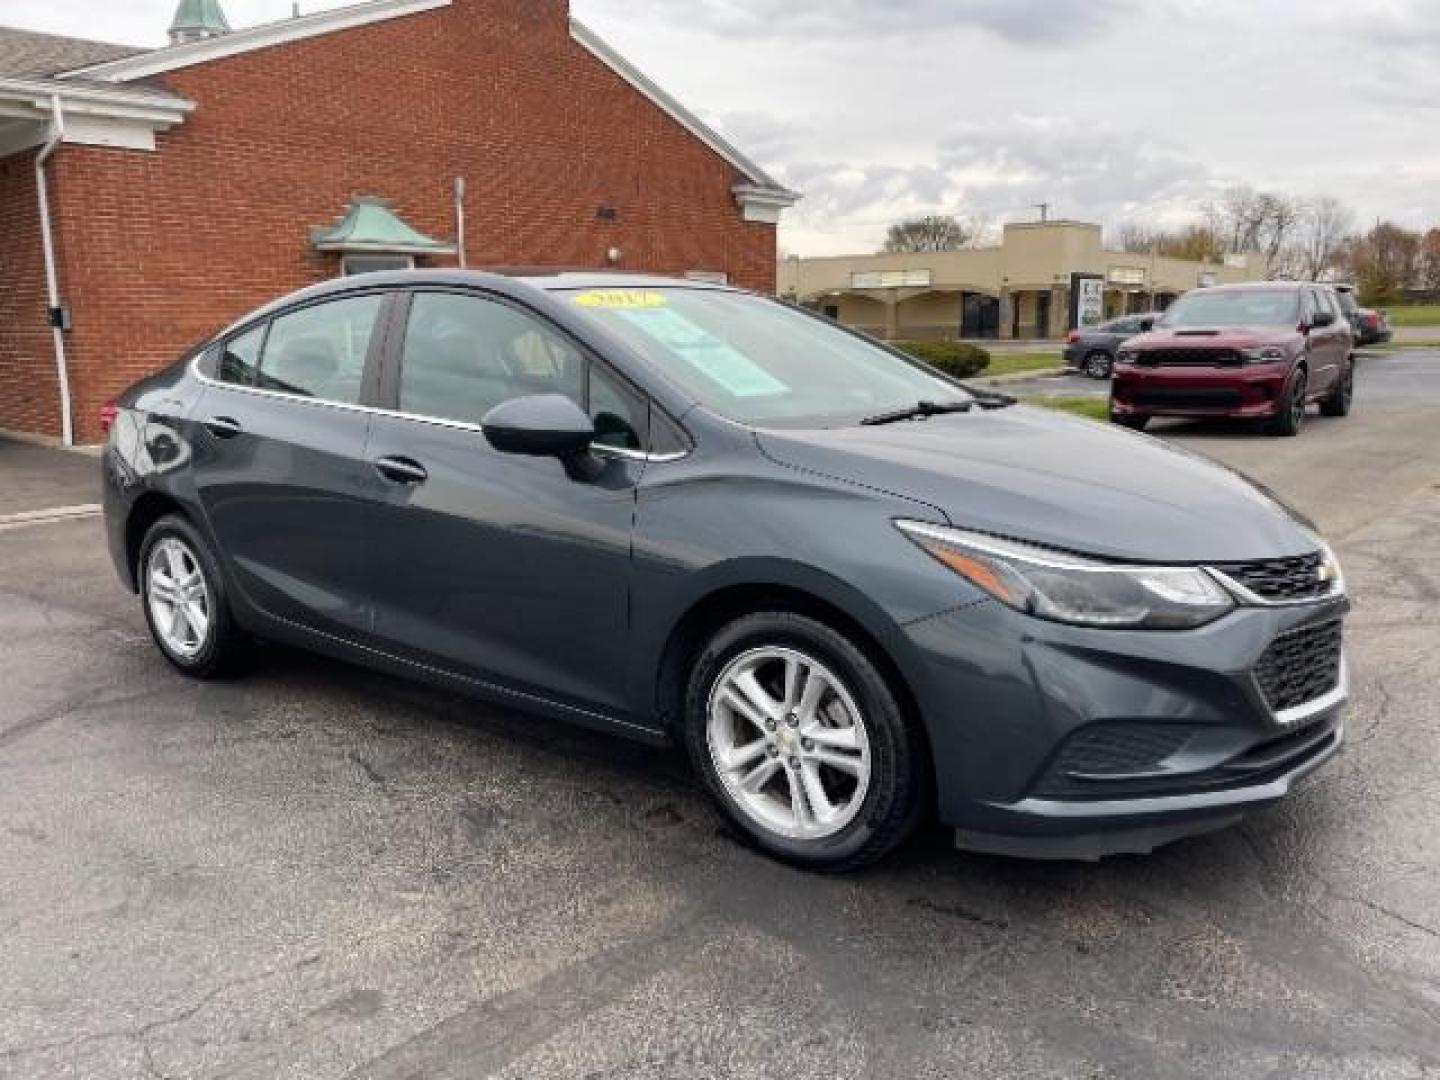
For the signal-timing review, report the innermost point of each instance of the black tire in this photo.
(225, 648)
(1098, 365)
(1133, 423)
(895, 801)
(1290, 415)
(1341, 399)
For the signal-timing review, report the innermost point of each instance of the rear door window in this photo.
(320, 351)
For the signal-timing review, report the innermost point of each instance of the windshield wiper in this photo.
(989, 399)
(921, 410)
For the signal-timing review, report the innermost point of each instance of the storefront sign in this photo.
(893, 279)
(1087, 300)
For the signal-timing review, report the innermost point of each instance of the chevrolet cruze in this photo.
(858, 593)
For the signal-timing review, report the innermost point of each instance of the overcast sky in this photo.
(1110, 110)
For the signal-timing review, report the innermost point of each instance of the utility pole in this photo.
(1044, 209)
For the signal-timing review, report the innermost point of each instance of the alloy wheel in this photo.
(789, 743)
(1297, 405)
(179, 598)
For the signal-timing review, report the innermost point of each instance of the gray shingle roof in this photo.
(26, 54)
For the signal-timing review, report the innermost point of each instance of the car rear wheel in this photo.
(1340, 400)
(1290, 415)
(184, 598)
(1099, 365)
(802, 744)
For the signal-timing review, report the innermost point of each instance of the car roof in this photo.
(1278, 286)
(506, 280)
(509, 281)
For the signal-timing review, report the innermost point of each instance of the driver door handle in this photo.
(402, 470)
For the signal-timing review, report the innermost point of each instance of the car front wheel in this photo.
(1290, 412)
(1099, 365)
(185, 603)
(1130, 421)
(801, 742)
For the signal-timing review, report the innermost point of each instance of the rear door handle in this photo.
(402, 470)
(223, 427)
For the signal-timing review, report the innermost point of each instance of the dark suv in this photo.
(1264, 351)
(1371, 326)
(857, 592)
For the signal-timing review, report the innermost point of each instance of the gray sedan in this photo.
(857, 592)
(1092, 349)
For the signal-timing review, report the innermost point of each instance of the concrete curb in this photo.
(1019, 376)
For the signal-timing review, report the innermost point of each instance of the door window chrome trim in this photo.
(431, 421)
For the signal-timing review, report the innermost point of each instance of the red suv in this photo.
(1263, 351)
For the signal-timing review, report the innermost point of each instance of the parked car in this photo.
(1264, 351)
(855, 591)
(1092, 349)
(1370, 326)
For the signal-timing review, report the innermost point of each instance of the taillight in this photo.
(1072, 337)
(108, 412)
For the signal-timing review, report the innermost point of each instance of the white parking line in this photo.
(32, 518)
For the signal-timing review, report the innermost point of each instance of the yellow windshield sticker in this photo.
(622, 299)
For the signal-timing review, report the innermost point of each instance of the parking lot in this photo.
(319, 872)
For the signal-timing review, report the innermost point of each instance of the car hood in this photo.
(1231, 337)
(1060, 481)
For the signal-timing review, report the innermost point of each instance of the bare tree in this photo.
(1238, 219)
(1325, 226)
(934, 232)
(1430, 263)
(1279, 215)
(1194, 243)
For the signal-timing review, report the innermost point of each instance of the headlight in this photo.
(1267, 355)
(1125, 356)
(1071, 589)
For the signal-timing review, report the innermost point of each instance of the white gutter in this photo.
(52, 280)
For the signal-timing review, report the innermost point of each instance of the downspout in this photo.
(52, 281)
(460, 220)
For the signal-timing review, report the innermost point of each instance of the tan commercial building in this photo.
(1042, 281)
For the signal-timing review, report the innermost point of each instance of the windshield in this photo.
(1235, 307)
(759, 361)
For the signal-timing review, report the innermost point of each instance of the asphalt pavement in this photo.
(317, 872)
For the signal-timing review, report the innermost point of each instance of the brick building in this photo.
(181, 187)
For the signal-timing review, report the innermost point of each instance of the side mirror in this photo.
(546, 425)
(1323, 319)
(1146, 325)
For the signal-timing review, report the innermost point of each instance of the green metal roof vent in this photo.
(196, 20)
(369, 225)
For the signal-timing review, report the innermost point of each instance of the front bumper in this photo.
(1063, 742)
(1248, 391)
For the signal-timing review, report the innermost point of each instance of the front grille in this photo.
(1301, 666)
(1188, 358)
(1198, 398)
(1099, 757)
(1281, 579)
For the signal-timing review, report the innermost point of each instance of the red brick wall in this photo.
(159, 250)
(29, 396)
